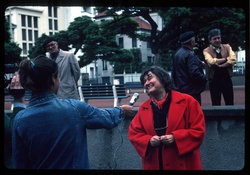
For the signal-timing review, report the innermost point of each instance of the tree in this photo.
(12, 51)
(136, 64)
(93, 40)
(177, 20)
(98, 41)
(38, 48)
(122, 61)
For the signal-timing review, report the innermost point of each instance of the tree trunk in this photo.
(157, 59)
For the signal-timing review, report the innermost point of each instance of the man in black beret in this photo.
(186, 36)
(187, 70)
(68, 69)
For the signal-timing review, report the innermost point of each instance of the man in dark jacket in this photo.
(187, 71)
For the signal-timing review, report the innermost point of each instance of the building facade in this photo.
(30, 22)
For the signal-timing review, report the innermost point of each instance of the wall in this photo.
(223, 147)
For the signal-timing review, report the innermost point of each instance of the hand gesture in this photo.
(127, 110)
(167, 139)
(16, 90)
(155, 141)
(15, 83)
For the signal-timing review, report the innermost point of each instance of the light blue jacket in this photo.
(51, 132)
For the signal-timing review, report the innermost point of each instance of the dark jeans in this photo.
(221, 86)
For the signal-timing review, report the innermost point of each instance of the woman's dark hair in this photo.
(161, 74)
(36, 74)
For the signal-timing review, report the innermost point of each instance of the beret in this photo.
(186, 36)
(48, 40)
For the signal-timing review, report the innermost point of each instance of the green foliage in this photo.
(38, 48)
(123, 26)
(80, 29)
(12, 51)
(131, 66)
(177, 20)
(167, 60)
(63, 40)
(123, 56)
(231, 21)
(136, 62)
(7, 36)
(97, 41)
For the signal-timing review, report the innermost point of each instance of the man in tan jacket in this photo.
(220, 59)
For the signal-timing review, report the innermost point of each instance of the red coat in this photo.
(185, 121)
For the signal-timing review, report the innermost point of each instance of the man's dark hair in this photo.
(213, 32)
(161, 74)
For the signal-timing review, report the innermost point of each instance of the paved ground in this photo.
(239, 98)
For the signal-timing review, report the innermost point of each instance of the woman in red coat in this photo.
(169, 128)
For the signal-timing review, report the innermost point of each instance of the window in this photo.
(23, 34)
(149, 59)
(50, 24)
(24, 48)
(29, 32)
(35, 22)
(23, 20)
(91, 72)
(35, 35)
(134, 42)
(29, 21)
(30, 46)
(50, 11)
(52, 20)
(104, 65)
(148, 44)
(55, 12)
(55, 25)
(121, 43)
(30, 35)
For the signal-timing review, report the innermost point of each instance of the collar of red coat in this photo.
(176, 98)
(160, 102)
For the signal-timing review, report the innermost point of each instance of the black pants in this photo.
(221, 86)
